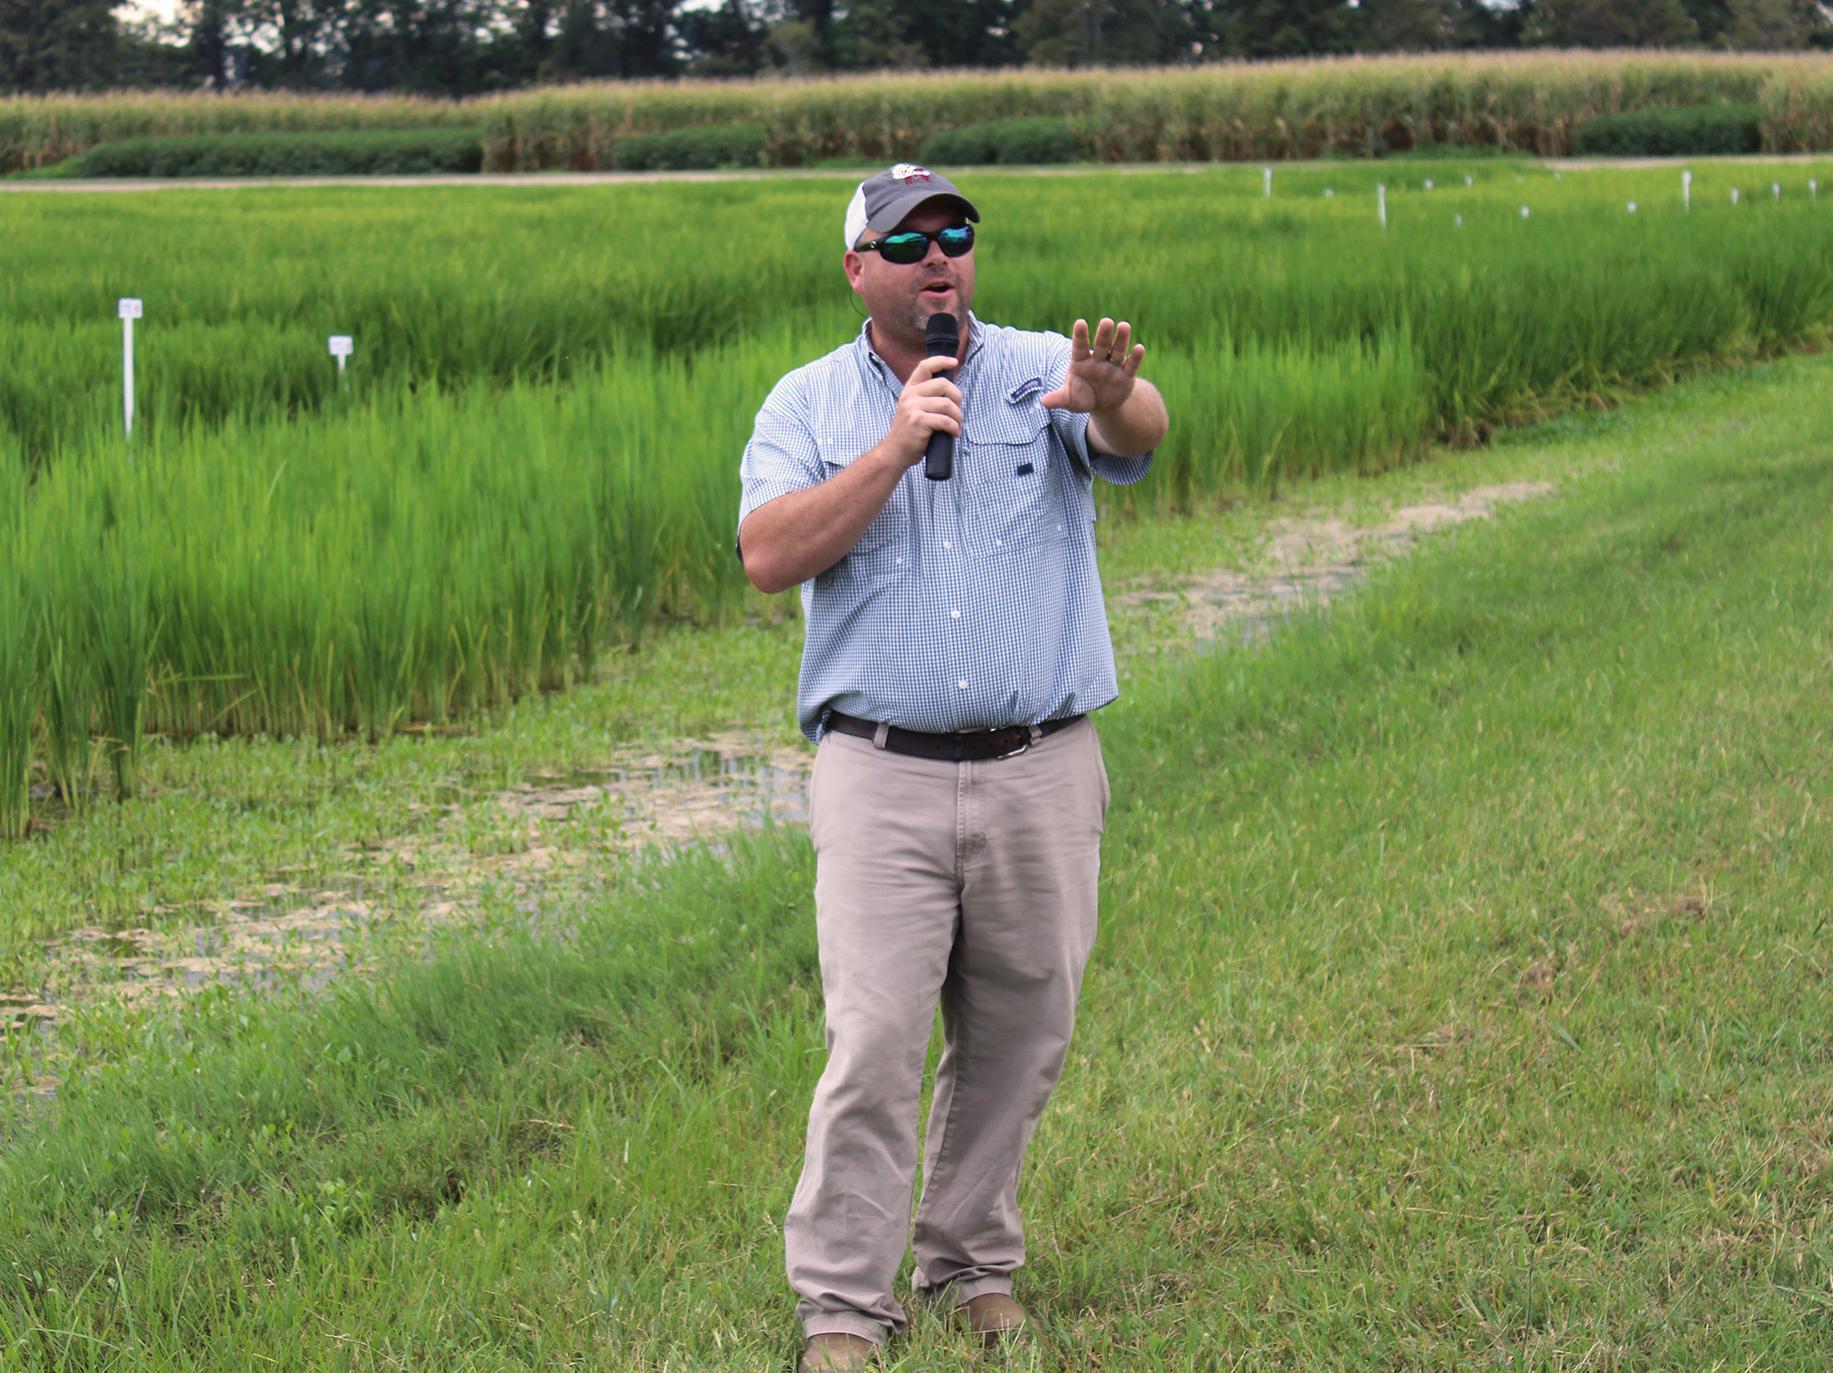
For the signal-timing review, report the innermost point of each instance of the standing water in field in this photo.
(398, 894)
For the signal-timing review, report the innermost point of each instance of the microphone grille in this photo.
(942, 327)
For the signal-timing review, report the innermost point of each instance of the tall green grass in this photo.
(535, 453)
(20, 648)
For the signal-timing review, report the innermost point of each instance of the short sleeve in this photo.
(782, 455)
(1072, 428)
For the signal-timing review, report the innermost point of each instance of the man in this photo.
(955, 642)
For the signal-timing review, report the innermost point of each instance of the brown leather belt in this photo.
(969, 746)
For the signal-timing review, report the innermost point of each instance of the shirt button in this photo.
(900, 562)
(947, 544)
(954, 614)
(999, 543)
(962, 684)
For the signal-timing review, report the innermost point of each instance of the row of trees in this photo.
(462, 47)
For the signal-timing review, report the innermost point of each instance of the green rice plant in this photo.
(1255, 415)
(69, 710)
(427, 301)
(121, 625)
(19, 701)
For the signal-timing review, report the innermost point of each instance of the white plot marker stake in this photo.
(1734, 195)
(1632, 207)
(1428, 183)
(1686, 190)
(1381, 203)
(1775, 189)
(1524, 212)
(1470, 181)
(1813, 188)
(341, 347)
(1329, 191)
(1266, 176)
(128, 307)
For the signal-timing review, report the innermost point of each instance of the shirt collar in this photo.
(975, 336)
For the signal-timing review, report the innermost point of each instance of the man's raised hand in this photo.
(1101, 370)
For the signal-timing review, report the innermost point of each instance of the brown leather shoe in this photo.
(837, 1353)
(993, 1316)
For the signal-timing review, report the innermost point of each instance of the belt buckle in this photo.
(1024, 741)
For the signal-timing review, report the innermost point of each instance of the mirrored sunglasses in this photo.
(911, 246)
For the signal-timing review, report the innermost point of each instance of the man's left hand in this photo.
(1101, 372)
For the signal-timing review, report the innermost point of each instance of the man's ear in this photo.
(854, 264)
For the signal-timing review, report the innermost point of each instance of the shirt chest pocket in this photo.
(884, 547)
(1014, 501)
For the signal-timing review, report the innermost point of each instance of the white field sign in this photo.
(129, 308)
(342, 346)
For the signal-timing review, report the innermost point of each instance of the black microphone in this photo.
(941, 339)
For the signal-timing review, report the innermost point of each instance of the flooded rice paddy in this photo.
(574, 824)
(401, 892)
(1310, 560)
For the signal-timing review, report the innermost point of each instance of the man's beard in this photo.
(920, 315)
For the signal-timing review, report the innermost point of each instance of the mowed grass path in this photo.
(1462, 1000)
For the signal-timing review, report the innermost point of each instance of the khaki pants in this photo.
(971, 885)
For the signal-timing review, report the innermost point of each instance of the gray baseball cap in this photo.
(882, 201)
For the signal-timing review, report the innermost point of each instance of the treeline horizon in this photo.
(474, 47)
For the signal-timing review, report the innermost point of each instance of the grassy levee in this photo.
(1461, 997)
(535, 453)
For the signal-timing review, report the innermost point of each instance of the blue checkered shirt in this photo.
(972, 603)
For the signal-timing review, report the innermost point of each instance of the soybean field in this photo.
(531, 456)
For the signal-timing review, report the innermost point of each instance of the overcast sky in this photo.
(139, 9)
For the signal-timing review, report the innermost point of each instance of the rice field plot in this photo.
(534, 450)
(1461, 1001)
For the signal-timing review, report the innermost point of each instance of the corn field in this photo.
(1349, 107)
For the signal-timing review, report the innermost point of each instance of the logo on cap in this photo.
(910, 174)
